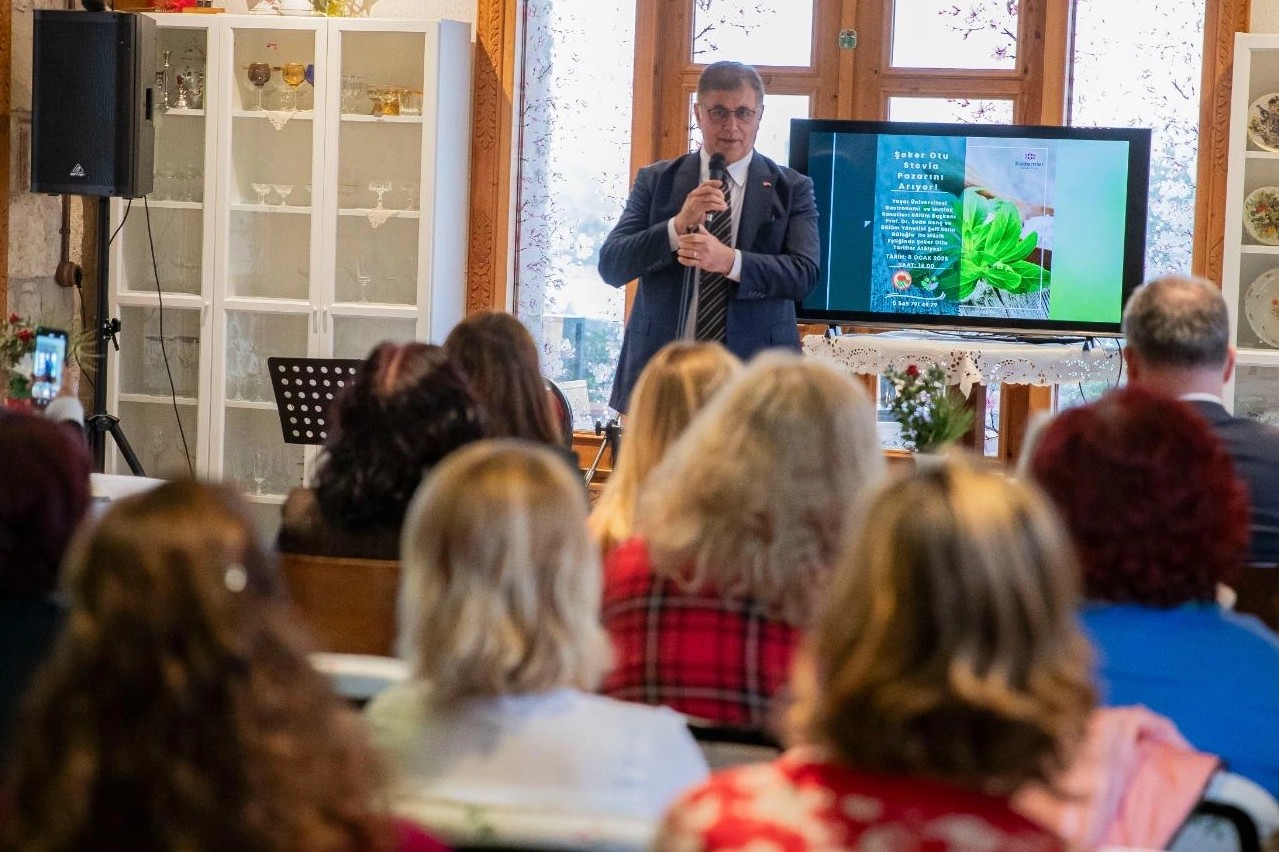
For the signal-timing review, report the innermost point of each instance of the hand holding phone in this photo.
(48, 364)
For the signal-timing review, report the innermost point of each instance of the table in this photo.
(1026, 371)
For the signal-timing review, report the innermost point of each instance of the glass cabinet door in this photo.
(379, 168)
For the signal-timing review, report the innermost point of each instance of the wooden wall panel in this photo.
(1224, 19)
(494, 81)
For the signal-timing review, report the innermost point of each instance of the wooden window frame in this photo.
(855, 87)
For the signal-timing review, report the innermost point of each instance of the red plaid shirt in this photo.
(699, 652)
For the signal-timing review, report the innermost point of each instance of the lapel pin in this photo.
(768, 183)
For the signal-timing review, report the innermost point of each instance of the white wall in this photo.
(1265, 16)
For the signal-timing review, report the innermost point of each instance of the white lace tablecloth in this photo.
(971, 361)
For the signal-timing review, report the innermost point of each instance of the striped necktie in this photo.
(712, 289)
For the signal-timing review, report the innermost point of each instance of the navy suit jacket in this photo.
(777, 235)
(1254, 447)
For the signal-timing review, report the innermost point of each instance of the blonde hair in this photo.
(753, 499)
(501, 586)
(675, 385)
(948, 646)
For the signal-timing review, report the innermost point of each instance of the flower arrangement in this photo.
(929, 417)
(17, 341)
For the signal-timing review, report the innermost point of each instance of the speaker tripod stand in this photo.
(100, 422)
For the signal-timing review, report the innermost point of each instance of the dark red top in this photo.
(800, 803)
(715, 658)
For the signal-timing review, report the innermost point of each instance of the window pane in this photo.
(574, 178)
(1137, 64)
(944, 34)
(760, 32)
(774, 128)
(953, 110)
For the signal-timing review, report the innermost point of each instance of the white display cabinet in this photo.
(1250, 256)
(311, 227)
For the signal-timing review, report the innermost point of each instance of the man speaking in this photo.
(723, 241)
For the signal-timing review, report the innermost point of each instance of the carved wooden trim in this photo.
(1224, 19)
(492, 155)
(6, 129)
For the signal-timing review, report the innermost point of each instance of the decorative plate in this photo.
(1261, 214)
(1261, 306)
(1263, 122)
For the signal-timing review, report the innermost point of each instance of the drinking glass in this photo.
(411, 101)
(386, 100)
(294, 74)
(259, 76)
(381, 187)
(284, 190)
(410, 195)
(262, 189)
(309, 75)
(352, 92)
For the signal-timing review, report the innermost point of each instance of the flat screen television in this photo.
(1014, 229)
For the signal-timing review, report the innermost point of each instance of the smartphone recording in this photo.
(48, 364)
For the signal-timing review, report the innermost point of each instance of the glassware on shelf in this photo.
(189, 184)
(164, 81)
(381, 187)
(309, 74)
(410, 195)
(411, 101)
(259, 75)
(353, 89)
(294, 74)
(164, 184)
(386, 100)
(262, 189)
(191, 80)
(284, 190)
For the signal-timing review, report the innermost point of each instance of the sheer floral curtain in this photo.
(574, 160)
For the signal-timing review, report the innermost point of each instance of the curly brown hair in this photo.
(178, 710)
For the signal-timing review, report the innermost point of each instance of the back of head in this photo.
(408, 407)
(177, 710)
(501, 586)
(948, 645)
(753, 498)
(499, 358)
(43, 497)
(675, 385)
(1178, 321)
(1149, 495)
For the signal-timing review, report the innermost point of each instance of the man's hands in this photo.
(707, 198)
(696, 246)
(704, 251)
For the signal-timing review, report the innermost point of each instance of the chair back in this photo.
(1236, 814)
(360, 677)
(725, 746)
(348, 604)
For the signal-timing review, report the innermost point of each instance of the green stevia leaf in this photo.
(1002, 277)
(1024, 247)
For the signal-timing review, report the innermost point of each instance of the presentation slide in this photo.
(971, 226)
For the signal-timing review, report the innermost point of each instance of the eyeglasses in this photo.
(720, 115)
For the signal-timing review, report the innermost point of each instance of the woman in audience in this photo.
(946, 671)
(499, 358)
(500, 616)
(408, 407)
(44, 494)
(1159, 520)
(675, 385)
(736, 533)
(177, 711)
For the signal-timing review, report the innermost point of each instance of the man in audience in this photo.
(720, 257)
(1179, 344)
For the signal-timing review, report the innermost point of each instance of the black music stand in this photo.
(304, 390)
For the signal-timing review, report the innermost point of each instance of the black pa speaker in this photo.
(93, 77)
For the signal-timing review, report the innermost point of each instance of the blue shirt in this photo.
(1214, 672)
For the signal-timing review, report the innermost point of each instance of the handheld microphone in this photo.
(718, 171)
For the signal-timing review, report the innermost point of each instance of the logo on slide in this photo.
(901, 280)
